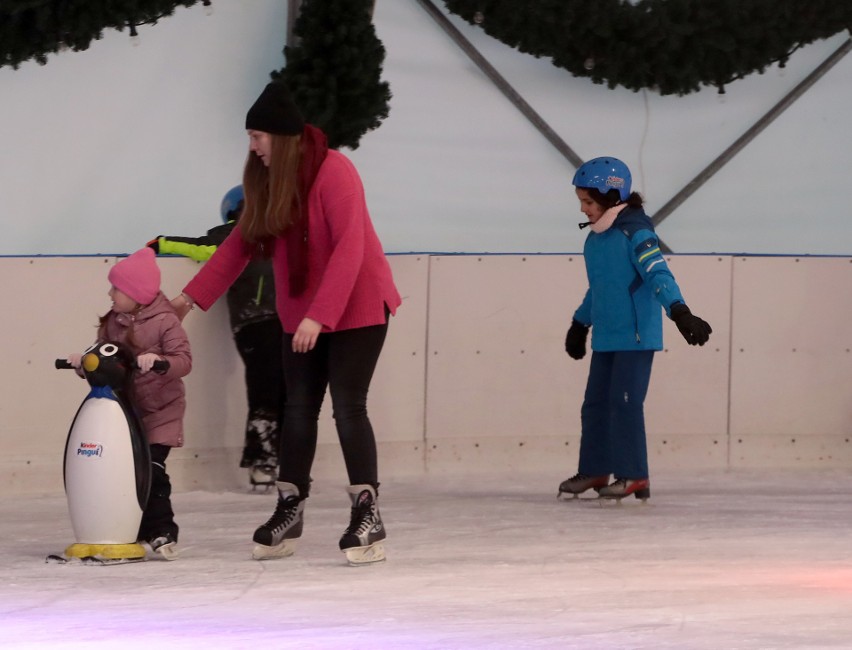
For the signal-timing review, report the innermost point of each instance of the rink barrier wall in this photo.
(474, 376)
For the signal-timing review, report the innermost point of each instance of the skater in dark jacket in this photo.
(630, 285)
(143, 319)
(257, 335)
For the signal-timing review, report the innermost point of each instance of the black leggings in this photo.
(344, 362)
(259, 345)
(158, 517)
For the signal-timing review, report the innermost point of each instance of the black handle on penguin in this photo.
(160, 367)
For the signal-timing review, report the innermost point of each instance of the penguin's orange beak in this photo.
(90, 362)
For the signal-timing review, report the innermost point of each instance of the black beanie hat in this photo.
(274, 112)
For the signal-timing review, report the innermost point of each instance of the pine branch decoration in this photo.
(33, 29)
(334, 71)
(669, 46)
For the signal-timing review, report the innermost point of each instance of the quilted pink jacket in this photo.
(350, 283)
(160, 400)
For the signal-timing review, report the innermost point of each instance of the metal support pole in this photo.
(293, 9)
(498, 80)
(752, 133)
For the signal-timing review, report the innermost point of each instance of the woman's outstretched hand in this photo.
(306, 335)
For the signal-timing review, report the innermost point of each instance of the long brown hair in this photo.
(272, 193)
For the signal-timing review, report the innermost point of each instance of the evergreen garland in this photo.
(669, 46)
(334, 71)
(32, 29)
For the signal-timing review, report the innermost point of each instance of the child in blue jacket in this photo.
(629, 283)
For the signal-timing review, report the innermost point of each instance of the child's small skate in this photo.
(165, 546)
(263, 476)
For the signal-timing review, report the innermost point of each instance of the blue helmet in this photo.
(604, 174)
(232, 204)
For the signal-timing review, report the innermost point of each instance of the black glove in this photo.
(695, 330)
(575, 340)
(154, 244)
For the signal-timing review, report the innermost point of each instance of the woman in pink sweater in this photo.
(305, 209)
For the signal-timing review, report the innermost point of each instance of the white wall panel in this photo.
(497, 364)
(474, 374)
(791, 363)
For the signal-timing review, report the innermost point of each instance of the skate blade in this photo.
(578, 496)
(361, 555)
(91, 560)
(284, 549)
(573, 496)
(604, 499)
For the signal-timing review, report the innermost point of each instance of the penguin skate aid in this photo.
(115, 463)
(107, 462)
(336, 295)
(630, 288)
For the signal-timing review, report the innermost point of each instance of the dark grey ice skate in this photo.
(580, 483)
(363, 540)
(277, 537)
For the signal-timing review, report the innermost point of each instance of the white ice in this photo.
(714, 560)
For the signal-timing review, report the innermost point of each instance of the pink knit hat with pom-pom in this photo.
(138, 276)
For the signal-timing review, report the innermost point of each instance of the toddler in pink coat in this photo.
(142, 318)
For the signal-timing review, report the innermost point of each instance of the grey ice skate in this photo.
(277, 537)
(580, 483)
(363, 540)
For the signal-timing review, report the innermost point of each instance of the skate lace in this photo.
(360, 520)
(577, 477)
(285, 513)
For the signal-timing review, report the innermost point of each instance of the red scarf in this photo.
(314, 151)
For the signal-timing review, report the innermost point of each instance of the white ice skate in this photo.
(165, 547)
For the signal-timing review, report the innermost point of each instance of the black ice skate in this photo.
(363, 540)
(277, 537)
(580, 483)
(263, 475)
(624, 487)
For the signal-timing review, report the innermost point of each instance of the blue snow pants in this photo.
(613, 415)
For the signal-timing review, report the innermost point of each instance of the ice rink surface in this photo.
(715, 560)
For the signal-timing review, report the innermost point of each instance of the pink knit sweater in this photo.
(349, 278)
